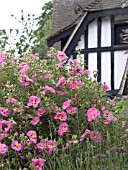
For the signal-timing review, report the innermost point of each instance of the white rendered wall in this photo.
(81, 43)
(80, 46)
(119, 63)
(106, 32)
(92, 62)
(106, 68)
(119, 56)
(92, 34)
(80, 58)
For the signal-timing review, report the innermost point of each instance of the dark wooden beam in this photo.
(88, 19)
(105, 49)
(58, 37)
(112, 70)
(113, 92)
(99, 46)
(86, 47)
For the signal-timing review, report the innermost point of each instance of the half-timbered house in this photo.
(99, 28)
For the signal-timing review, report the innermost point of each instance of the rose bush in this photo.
(48, 110)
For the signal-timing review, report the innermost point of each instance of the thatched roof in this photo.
(67, 13)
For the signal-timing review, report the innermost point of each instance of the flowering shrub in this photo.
(46, 110)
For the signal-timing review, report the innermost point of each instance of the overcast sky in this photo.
(8, 7)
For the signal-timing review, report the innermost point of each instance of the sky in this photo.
(8, 7)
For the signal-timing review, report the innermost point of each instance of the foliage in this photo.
(3, 39)
(33, 33)
(58, 113)
(43, 30)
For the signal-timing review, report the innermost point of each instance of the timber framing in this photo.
(88, 19)
(59, 36)
(82, 29)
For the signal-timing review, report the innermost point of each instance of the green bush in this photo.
(54, 116)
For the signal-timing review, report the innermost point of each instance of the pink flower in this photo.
(105, 87)
(107, 114)
(32, 135)
(16, 146)
(38, 163)
(77, 70)
(84, 134)
(26, 143)
(60, 81)
(4, 111)
(62, 116)
(48, 88)
(61, 56)
(12, 100)
(41, 111)
(111, 102)
(75, 85)
(51, 146)
(48, 76)
(61, 92)
(35, 121)
(3, 57)
(33, 101)
(92, 114)
(17, 110)
(71, 110)
(60, 64)
(49, 55)
(25, 81)
(66, 104)
(88, 72)
(6, 125)
(110, 119)
(123, 124)
(3, 136)
(96, 136)
(21, 156)
(23, 58)
(24, 68)
(3, 148)
(73, 142)
(34, 57)
(42, 145)
(74, 63)
(63, 128)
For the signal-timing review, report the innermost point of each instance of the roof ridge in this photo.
(87, 8)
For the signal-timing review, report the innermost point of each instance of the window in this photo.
(121, 33)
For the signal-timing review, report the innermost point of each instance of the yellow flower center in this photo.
(5, 110)
(61, 54)
(16, 144)
(33, 102)
(77, 87)
(0, 147)
(93, 116)
(109, 114)
(50, 146)
(37, 166)
(2, 136)
(60, 116)
(42, 144)
(23, 68)
(73, 84)
(33, 136)
(63, 128)
(94, 137)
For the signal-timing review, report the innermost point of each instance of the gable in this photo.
(95, 36)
